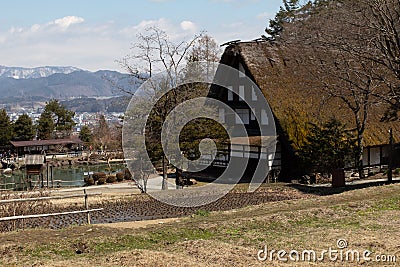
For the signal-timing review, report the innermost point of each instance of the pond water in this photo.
(66, 176)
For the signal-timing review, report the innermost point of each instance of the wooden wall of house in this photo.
(380, 156)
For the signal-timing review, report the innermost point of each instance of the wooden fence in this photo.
(85, 195)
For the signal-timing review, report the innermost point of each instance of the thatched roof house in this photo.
(295, 102)
(265, 64)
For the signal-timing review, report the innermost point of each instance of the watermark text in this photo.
(341, 253)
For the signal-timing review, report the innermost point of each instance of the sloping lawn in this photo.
(364, 219)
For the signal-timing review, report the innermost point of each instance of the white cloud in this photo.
(14, 30)
(97, 46)
(56, 25)
(65, 22)
(89, 46)
(35, 27)
(175, 31)
(141, 27)
(144, 24)
(56, 42)
(187, 25)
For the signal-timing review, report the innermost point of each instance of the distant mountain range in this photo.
(62, 82)
(28, 73)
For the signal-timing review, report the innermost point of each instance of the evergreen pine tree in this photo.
(5, 128)
(23, 128)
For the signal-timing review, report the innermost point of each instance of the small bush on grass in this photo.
(89, 181)
(101, 181)
(98, 175)
(120, 176)
(127, 174)
(111, 179)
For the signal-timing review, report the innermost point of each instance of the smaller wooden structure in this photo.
(34, 166)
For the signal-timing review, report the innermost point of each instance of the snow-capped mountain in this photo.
(28, 73)
(62, 82)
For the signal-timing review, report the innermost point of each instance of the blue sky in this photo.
(93, 34)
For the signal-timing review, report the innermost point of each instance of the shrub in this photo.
(120, 176)
(327, 147)
(98, 175)
(111, 179)
(127, 174)
(101, 181)
(89, 181)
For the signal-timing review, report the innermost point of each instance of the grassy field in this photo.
(367, 219)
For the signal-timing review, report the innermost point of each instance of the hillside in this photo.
(365, 219)
(62, 82)
(90, 104)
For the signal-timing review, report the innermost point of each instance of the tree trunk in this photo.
(360, 137)
(165, 177)
(390, 167)
(359, 156)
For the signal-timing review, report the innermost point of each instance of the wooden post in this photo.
(369, 160)
(51, 176)
(87, 206)
(390, 167)
(47, 174)
(380, 158)
(47, 177)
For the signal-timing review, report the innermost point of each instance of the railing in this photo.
(86, 210)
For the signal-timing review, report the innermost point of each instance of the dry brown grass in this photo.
(21, 208)
(366, 218)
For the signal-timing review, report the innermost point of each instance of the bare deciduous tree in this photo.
(327, 45)
(382, 19)
(153, 53)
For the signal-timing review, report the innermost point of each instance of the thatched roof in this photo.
(290, 103)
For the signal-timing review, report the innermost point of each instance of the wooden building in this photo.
(46, 146)
(271, 75)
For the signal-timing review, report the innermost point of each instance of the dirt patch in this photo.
(139, 224)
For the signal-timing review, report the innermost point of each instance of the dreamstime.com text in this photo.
(339, 254)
